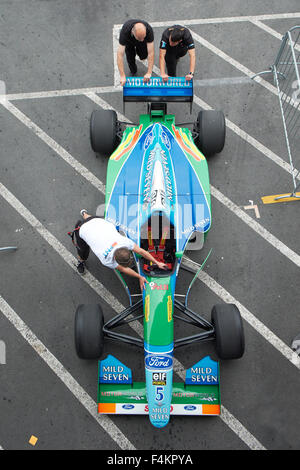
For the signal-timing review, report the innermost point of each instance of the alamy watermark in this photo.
(185, 214)
(2, 352)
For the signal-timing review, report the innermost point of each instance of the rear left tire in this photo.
(104, 131)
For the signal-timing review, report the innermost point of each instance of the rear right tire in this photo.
(211, 129)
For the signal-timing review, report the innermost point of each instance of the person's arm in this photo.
(131, 272)
(150, 48)
(148, 256)
(192, 54)
(162, 54)
(120, 63)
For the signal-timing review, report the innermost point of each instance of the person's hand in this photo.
(147, 77)
(122, 80)
(162, 265)
(189, 77)
(165, 77)
(142, 281)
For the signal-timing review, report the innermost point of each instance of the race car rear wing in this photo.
(176, 89)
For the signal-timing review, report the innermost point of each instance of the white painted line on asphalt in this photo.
(242, 68)
(259, 229)
(91, 93)
(82, 396)
(115, 34)
(83, 171)
(271, 31)
(234, 424)
(100, 102)
(228, 19)
(59, 93)
(66, 156)
(252, 141)
(262, 329)
(247, 137)
(266, 28)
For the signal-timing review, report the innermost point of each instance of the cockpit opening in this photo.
(158, 238)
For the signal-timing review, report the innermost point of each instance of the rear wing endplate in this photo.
(176, 90)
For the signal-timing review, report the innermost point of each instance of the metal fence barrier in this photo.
(286, 74)
(9, 248)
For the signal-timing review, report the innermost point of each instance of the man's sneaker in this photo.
(83, 211)
(81, 267)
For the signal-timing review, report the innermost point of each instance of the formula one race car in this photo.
(158, 195)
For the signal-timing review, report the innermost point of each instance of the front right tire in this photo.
(89, 337)
(229, 331)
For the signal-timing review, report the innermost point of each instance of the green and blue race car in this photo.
(158, 195)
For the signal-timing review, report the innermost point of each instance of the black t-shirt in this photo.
(126, 38)
(187, 39)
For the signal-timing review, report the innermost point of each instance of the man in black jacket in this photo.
(136, 38)
(175, 43)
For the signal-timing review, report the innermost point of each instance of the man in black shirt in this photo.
(136, 37)
(175, 43)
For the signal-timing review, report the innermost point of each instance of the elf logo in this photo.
(159, 378)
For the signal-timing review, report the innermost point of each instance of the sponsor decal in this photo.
(111, 370)
(159, 378)
(165, 139)
(146, 409)
(170, 308)
(154, 286)
(128, 407)
(190, 407)
(147, 307)
(148, 140)
(109, 250)
(205, 372)
(158, 82)
(158, 361)
(148, 177)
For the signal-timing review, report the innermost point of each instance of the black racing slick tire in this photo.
(211, 129)
(229, 331)
(89, 337)
(104, 131)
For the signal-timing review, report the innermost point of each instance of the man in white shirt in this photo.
(113, 249)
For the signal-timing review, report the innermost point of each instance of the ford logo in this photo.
(128, 407)
(190, 407)
(158, 361)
